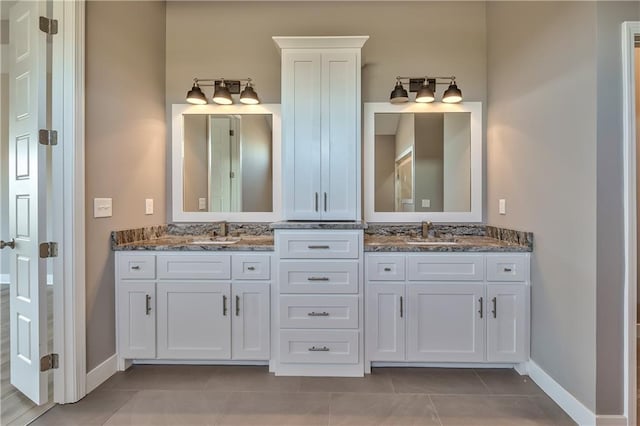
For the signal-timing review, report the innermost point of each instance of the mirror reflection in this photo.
(227, 163)
(423, 162)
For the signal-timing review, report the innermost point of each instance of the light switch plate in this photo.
(502, 206)
(102, 207)
(426, 203)
(148, 206)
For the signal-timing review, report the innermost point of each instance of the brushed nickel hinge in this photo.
(232, 132)
(48, 25)
(49, 249)
(48, 137)
(49, 362)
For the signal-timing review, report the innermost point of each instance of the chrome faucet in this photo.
(224, 229)
(426, 227)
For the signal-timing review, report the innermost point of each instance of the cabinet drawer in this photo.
(195, 266)
(318, 277)
(506, 268)
(319, 346)
(319, 311)
(385, 268)
(251, 267)
(436, 267)
(137, 266)
(322, 245)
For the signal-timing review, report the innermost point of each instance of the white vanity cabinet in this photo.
(451, 307)
(193, 306)
(321, 112)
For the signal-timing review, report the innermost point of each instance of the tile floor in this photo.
(234, 395)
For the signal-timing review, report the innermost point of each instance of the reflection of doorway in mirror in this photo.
(224, 164)
(404, 182)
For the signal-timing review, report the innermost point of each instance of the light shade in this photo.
(221, 95)
(398, 94)
(452, 95)
(195, 96)
(249, 96)
(425, 95)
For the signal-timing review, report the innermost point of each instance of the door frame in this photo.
(629, 31)
(68, 173)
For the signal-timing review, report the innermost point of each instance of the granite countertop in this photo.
(190, 243)
(458, 243)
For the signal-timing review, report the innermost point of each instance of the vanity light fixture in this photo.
(425, 88)
(223, 89)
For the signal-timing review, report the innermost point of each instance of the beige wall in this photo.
(457, 163)
(196, 161)
(428, 157)
(541, 157)
(125, 143)
(257, 171)
(385, 190)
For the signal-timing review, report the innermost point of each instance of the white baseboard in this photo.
(574, 408)
(101, 373)
(611, 420)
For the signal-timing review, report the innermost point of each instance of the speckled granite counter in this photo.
(358, 224)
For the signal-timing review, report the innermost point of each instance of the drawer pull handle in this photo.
(148, 304)
(251, 268)
(507, 269)
(325, 201)
(481, 311)
(401, 307)
(224, 305)
(237, 305)
(322, 349)
(495, 307)
(316, 201)
(136, 268)
(319, 247)
(318, 314)
(387, 269)
(318, 279)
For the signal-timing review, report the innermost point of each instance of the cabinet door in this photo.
(137, 319)
(385, 321)
(250, 328)
(194, 320)
(340, 142)
(301, 134)
(507, 328)
(445, 322)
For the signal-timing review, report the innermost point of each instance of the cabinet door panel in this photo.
(251, 320)
(137, 319)
(445, 322)
(301, 134)
(194, 320)
(385, 321)
(340, 143)
(507, 333)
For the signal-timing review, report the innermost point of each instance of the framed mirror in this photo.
(423, 162)
(226, 163)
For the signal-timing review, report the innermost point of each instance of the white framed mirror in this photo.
(226, 163)
(423, 162)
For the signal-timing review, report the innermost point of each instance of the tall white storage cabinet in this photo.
(321, 110)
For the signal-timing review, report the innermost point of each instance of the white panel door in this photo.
(194, 320)
(340, 143)
(385, 321)
(137, 319)
(301, 134)
(250, 327)
(445, 322)
(27, 199)
(506, 322)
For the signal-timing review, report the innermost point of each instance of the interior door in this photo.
(220, 164)
(27, 199)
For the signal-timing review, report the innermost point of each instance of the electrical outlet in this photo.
(202, 203)
(148, 206)
(102, 207)
(426, 203)
(502, 206)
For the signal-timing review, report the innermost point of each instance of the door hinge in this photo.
(48, 250)
(232, 175)
(48, 137)
(48, 25)
(49, 362)
(232, 132)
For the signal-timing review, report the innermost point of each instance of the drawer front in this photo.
(322, 245)
(251, 267)
(195, 266)
(506, 268)
(318, 311)
(385, 268)
(318, 277)
(436, 267)
(136, 266)
(319, 346)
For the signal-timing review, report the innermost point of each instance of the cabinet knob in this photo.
(508, 269)
(251, 268)
(387, 269)
(136, 268)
